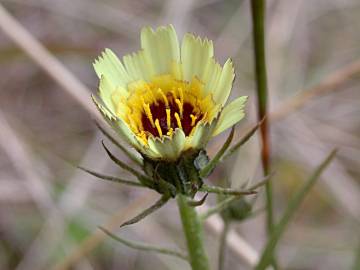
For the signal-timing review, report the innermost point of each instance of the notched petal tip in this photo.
(108, 64)
(102, 109)
(168, 27)
(164, 40)
(100, 59)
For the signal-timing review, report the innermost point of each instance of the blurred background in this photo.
(48, 207)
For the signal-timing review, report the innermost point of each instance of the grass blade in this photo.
(267, 255)
(145, 247)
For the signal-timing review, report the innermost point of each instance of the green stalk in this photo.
(222, 247)
(258, 17)
(294, 203)
(193, 233)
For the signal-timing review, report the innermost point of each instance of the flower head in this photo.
(166, 99)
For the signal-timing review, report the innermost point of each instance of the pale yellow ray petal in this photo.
(161, 48)
(118, 125)
(108, 64)
(224, 84)
(195, 56)
(230, 115)
(138, 67)
(211, 76)
(109, 94)
(200, 136)
(169, 148)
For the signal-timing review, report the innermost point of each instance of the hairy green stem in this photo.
(193, 233)
(258, 17)
(227, 191)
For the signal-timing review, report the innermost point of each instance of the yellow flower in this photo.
(166, 99)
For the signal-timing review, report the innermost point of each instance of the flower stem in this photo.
(258, 17)
(193, 233)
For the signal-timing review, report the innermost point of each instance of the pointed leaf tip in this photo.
(157, 205)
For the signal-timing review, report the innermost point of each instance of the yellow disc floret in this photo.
(158, 107)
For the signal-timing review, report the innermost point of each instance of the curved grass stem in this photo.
(293, 205)
(146, 247)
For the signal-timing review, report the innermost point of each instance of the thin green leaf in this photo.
(111, 178)
(129, 154)
(225, 204)
(230, 191)
(279, 229)
(212, 164)
(219, 207)
(226, 191)
(146, 247)
(242, 141)
(142, 178)
(161, 202)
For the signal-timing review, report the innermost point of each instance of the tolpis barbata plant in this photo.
(167, 101)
